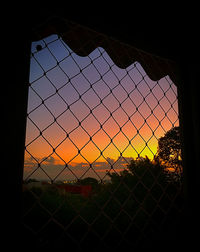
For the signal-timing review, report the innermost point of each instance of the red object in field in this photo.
(84, 190)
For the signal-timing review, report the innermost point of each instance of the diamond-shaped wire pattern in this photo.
(86, 120)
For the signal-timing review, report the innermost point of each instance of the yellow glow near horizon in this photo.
(81, 118)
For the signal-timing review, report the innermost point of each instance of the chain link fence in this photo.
(102, 154)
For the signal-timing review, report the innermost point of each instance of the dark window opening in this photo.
(102, 154)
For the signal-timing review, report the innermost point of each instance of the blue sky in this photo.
(90, 104)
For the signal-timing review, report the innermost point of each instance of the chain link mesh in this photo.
(90, 124)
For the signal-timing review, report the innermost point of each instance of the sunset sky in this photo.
(86, 115)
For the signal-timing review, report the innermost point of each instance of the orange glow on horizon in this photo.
(93, 117)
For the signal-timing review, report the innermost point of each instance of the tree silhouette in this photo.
(140, 169)
(169, 150)
(88, 181)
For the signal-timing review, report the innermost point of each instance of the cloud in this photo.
(29, 164)
(118, 164)
(50, 161)
(53, 167)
